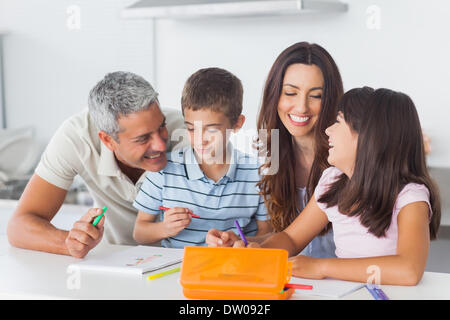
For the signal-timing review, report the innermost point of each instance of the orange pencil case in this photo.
(235, 273)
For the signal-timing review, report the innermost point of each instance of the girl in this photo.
(300, 100)
(378, 195)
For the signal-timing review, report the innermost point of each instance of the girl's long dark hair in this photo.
(279, 190)
(390, 154)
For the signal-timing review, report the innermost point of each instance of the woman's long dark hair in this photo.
(279, 189)
(390, 154)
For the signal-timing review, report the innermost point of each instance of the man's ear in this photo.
(239, 123)
(107, 140)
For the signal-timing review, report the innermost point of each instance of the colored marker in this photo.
(157, 275)
(298, 286)
(377, 293)
(382, 294)
(236, 223)
(97, 220)
(165, 209)
(373, 292)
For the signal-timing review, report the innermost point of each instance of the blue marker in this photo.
(373, 292)
(377, 293)
(381, 294)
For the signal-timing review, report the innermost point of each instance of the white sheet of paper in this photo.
(137, 260)
(327, 287)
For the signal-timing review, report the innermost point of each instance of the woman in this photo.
(300, 100)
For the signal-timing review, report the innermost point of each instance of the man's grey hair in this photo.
(119, 94)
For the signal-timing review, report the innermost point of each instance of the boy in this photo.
(209, 184)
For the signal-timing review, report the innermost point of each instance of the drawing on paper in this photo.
(138, 261)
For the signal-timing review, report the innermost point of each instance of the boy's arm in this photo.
(147, 230)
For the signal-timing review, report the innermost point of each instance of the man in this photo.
(111, 145)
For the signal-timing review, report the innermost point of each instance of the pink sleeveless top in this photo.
(352, 239)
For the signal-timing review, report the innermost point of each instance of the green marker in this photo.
(97, 220)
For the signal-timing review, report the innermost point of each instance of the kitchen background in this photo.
(54, 51)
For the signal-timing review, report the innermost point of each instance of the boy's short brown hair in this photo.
(215, 89)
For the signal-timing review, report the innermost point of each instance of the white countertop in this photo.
(26, 274)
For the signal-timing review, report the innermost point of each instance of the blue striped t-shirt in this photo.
(183, 184)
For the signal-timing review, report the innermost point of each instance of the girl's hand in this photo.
(217, 238)
(241, 244)
(307, 267)
(175, 220)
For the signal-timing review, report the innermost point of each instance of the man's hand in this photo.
(84, 236)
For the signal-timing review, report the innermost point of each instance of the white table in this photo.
(26, 274)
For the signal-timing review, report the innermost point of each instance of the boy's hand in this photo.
(217, 238)
(84, 236)
(175, 220)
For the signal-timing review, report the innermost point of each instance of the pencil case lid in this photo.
(235, 269)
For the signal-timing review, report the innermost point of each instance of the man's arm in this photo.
(30, 226)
